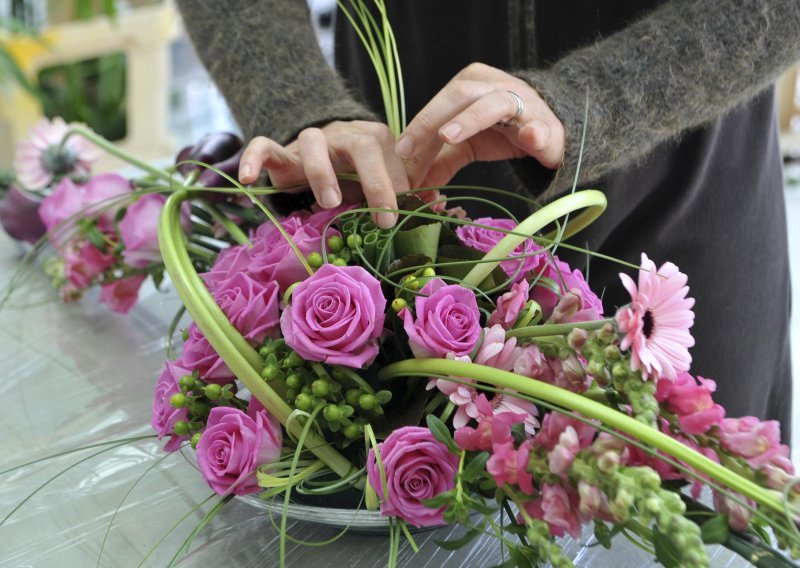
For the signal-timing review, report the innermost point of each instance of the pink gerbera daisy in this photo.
(656, 323)
(41, 160)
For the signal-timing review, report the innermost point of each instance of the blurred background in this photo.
(127, 69)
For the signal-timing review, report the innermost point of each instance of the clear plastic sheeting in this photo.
(77, 375)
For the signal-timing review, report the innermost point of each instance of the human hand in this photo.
(464, 123)
(318, 154)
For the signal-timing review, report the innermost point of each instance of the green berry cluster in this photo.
(338, 255)
(199, 397)
(306, 385)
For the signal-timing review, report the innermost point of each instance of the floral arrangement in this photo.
(446, 371)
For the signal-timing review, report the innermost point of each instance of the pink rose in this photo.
(447, 321)
(102, 196)
(567, 280)
(84, 263)
(233, 446)
(230, 261)
(251, 307)
(198, 355)
(273, 259)
(417, 467)
(120, 295)
(165, 415)
(336, 316)
(484, 240)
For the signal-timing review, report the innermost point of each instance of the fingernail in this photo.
(386, 220)
(245, 171)
(451, 131)
(329, 198)
(404, 147)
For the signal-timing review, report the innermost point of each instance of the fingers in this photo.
(543, 140)
(315, 157)
(369, 161)
(263, 153)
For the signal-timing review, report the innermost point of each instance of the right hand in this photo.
(316, 156)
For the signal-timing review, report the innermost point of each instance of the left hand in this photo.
(463, 123)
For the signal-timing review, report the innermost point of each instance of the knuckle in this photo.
(362, 142)
(474, 69)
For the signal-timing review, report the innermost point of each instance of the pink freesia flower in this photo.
(656, 323)
(164, 415)
(493, 428)
(588, 306)
(120, 295)
(336, 316)
(559, 507)
(199, 355)
(509, 305)
(42, 159)
(417, 467)
(484, 240)
(251, 307)
(447, 321)
(509, 466)
(234, 445)
(83, 263)
(758, 442)
(691, 402)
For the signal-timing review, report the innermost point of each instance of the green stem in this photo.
(592, 200)
(590, 409)
(232, 228)
(115, 151)
(240, 357)
(555, 329)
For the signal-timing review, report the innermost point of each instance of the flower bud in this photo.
(320, 388)
(196, 439)
(429, 272)
(303, 402)
(335, 243)
(366, 401)
(339, 262)
(398, 305)
(566, 308)
(178, 400)
(315, 260)
(181, 428)
(213, 391)
(577, 338)
(354, 241)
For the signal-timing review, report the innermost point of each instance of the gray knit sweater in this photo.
(680, 66)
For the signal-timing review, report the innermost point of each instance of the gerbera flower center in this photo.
(58, 161)
(648, 323)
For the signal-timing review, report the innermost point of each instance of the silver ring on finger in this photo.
(520, 109)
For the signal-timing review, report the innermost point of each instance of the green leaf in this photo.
(715, 530)
(422, 240)
(383, 396)
(158, 277)
(96, 238)
(475, 467)
(441, 433)
(666, 552)
(440, 500)
(457, 543)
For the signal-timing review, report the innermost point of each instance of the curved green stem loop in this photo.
(590, 409)
(238, 355)
(594, 203)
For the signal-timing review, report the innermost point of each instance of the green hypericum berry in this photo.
(398, 304)
(294, 381)
(270, 373)
(366, 401)
(320, 388)
(315, 260)
(185, 335)
(336, 243)
(293, 360)
(332, 413)
(339, 262)
(352, 396)
(187, 382)
(198, 409)
(196, 439)
(412, 283)
(181, 428)
(178, 400)
(303, 402)
(213, 392)
(354, 240)
(291, 394)
(352, 431)
(429, 272)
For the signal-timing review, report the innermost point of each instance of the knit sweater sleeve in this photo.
(679, 67)
(264, 57)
